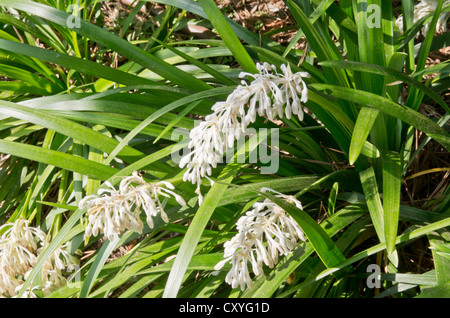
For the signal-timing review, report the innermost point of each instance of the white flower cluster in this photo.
(264, 233)
(112, 211)
(424, 8)
(20, 246)
(269, 94)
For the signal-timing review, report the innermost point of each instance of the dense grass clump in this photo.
(173, 148)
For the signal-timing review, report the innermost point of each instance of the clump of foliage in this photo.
(87, 103)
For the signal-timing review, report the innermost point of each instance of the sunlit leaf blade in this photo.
(392, 73)
(58, 159)
(361, 131)
(64, 126)
(71, 62)
(391, 108)
(392, 182)
(371, 192)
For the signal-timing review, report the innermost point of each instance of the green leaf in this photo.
(111, 41)
(229, 37)
(370, 187)
(320, 10)
(364, 122)
(332, 198)
(32, 79)
(392, 182)
(195, 230)
(199, 64)
(288, 185)
(103, 253)
(318, 44)
(62, 160)
(74, 63)
(66, 127)
(440, 249)
(426, 44)
(181, 115)
(244, 34)
(410, 235)
(441, 291)
(388, 72)
(389, 107)
(408, 20)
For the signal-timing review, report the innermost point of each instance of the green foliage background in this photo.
(83, 105)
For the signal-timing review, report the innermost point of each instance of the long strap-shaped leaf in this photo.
(103, 254)
(389, 72)
(66, 127)
(196, 228)
(290, 184)
(325, 50)
(392, 182)
(244, 34)
(371, 50)
(71, 62)
(375, 249)
(389, 107)
(373, 201)
(364, 123)
(39, 83)
(366, 117)
(58, 159)
(381, 246)
(227, 35)
(111, 41)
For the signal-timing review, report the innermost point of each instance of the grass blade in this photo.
(389, 107)
(414, 234)
(62, 160)
(364, 122)
(66, 127)
(111, 41)
(74, 63)
(392, 182)
(228, 36)
(195, 230)
(391, 73)
(103, 254)
(370, 187)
